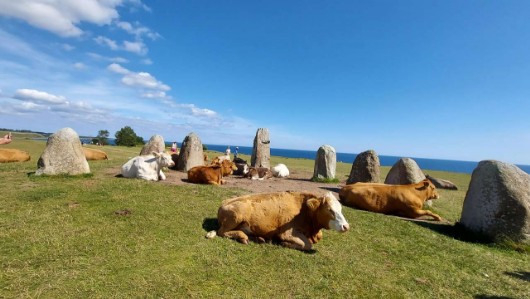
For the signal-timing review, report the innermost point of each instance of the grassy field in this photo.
(60, 237)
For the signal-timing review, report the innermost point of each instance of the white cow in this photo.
(280, 171)
(147, 167)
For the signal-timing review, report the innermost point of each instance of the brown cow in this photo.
(94, 154)
(212, 174)
(258, 173)
(293, 218)
(402, 200)
(13, 155)
(228, 167)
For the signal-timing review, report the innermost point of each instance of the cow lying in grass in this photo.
(147, 167)
(212, 174)
(295, 219)
(94, 154)
(13, 155)
(401, 200)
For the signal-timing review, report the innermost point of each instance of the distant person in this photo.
(174, 147)
(227, 151)
(236, 152)
(7, 139)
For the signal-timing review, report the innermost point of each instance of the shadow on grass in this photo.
(522, 275)
(484, 296)
(209, 224)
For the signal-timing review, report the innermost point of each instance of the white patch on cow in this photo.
(339, 223)
(245, 169)
(280, 171)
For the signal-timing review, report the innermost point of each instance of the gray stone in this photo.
(191, 153)
(365, 169)
(405, 171)
(497, 203)
(325, 163)
(261, 151)
(155, 144)
(63, 155)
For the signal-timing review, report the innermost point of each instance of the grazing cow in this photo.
(147, 167)
(441, 183)
(258, 173)
(94, 154)
(401, 200)
(212, 175)
(295, 219)
(13, 155)
(242, 166)
(280, 171)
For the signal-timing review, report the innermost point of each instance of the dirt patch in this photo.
(297, 181)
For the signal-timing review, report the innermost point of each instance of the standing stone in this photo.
(405, 171)
(497, 203)
(191, 153)
(261, 151)
(365, 168)
(63, 155)
(155, 144)
(325, 163)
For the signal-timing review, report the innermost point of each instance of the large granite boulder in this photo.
(365, 169)
(261, 151)
(497, 203)
(191, 153)
(405, 171)
(155, 144)
(63, 155)
(325, 163)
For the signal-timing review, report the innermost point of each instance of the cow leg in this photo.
(419, 212)
(296, 240)
(232, 230)
(161, 175)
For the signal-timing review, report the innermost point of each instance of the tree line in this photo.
(125, 137)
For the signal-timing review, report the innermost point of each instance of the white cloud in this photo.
(61, 16)
(79, 65)
(155, 95)
(104, 41)
(137, 47)
(147, 61)
(104, 58)
(138, 30)
(138, 80)
(35, 96)
(118, 69)
(68, 47)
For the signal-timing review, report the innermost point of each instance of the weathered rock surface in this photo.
(261, 151)
(365, 169)
(63, 155)
(497, 203)
(191, 153)
(405, 171)
(155, 144)
(441, 183)
(325, 163)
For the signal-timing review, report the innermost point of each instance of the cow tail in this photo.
(211, 234)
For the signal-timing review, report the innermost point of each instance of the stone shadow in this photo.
(522, 275)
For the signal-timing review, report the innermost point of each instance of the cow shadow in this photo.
(522, 275)
(118, 175)
(209, 224)
(332, 189)
(484, 296)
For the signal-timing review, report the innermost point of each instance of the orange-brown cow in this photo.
(212, 175)
(401, 200)
(13, 155)
(295, 219)
(94, 154)
(227, 167)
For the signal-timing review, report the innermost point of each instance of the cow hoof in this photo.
(211, 234)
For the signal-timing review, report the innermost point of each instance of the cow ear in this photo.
(313, 204)
(424, 185)
(155, 154)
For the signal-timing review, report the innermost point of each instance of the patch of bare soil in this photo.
(297, 181)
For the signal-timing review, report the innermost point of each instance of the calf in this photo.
(258, 173)
(94, 154)
(212, 174)
(280, 171)
(401, 200)
(295, 219)
(147, 167)
(13, 155)
(242, 166)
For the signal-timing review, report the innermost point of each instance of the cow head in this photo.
(164, 159)
(228, 167)
(328, 212)
(428, 187)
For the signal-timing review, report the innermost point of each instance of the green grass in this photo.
(61, 238)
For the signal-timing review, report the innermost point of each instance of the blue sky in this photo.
(430, 79)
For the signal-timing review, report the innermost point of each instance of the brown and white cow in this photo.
(258, 173)
(94, 154)
(295, 219)
(13, 155)
(401, 200)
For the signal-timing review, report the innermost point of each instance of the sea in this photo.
(423, 163)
